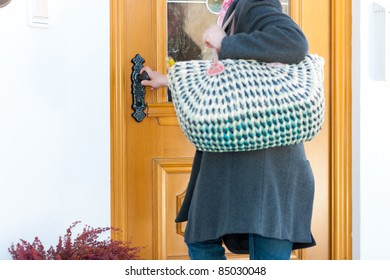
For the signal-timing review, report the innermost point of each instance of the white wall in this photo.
(54, 120)
(371, 140)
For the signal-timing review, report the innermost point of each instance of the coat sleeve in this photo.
(265, 34)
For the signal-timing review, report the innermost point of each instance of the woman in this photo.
(257, 202)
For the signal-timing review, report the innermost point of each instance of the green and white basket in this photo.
(250, 105)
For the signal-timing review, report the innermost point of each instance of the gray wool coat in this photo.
(267, 192)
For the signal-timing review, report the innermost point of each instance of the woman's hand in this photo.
(157, 80)
(213, 37)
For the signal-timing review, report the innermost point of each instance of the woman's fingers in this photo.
(157, 79)
(213, 37)
(148, 83)
(146, 69)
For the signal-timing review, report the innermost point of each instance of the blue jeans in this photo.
(260, 248)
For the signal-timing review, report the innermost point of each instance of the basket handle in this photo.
(226, 23)
(217, 66)
(224, 26)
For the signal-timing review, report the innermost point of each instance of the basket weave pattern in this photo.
(251, 105)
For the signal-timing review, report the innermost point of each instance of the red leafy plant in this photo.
(85, 246)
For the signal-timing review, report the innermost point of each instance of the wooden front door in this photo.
(151, 159)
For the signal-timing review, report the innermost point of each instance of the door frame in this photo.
(340, 134)
(341, 130)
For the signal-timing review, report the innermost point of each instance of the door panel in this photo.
(170, 181)
(151, 160)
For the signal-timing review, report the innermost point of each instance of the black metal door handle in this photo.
(138, 90)
(143, 76)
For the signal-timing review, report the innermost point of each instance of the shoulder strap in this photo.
(226, 23)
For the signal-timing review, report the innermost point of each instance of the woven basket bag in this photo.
(250, 105)
(244, 105)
